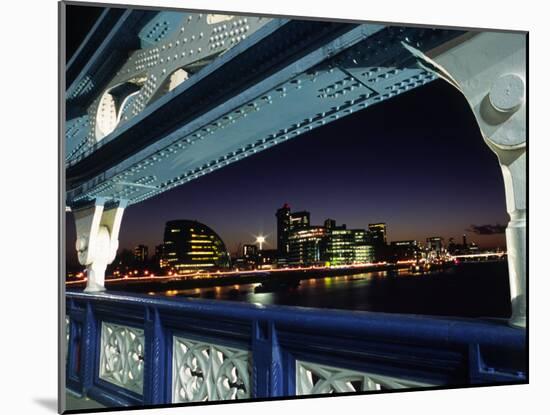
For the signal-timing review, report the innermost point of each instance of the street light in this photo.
(260, 240)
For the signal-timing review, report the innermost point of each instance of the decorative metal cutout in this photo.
(208, 372)
(122, 356)
(312, 379)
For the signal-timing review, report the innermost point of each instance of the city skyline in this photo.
(438, 184)
(429, 188)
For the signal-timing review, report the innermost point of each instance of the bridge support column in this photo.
(267, 379)
(97, 228)
(489, 68)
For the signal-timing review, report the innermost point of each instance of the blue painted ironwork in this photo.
(161, 27)
(309, 73)
(423, 349)
(156, 389)
(109, 40)
(268, 361)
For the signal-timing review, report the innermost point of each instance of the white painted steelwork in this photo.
(208, 372)
(489, 69)
(122, 356)
(97, 231)
(312, 379)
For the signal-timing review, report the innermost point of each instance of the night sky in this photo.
(416, 162)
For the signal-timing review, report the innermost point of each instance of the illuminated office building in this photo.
(190, 245)
(305, 245)
(267, 257)
(300, 243)
(330, 223)
(378, 238)
(248, 258)
(339, 246)
(283, 228)
(434, 246)
(363, 254)
(404, 250)
(360, 237)
(286, 223)
(377, 233)
(434, 243)
(299, 220)
(363, 251)
(158, 258)
(141, 253)
(250, 251)
(343, 246)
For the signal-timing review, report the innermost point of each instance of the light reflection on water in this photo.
(464, 291)
(309, 290)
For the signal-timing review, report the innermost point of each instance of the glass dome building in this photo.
(190, 245)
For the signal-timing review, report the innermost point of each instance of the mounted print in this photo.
(256, 207)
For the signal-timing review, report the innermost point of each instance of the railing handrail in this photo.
(276, 350)
(409, 327)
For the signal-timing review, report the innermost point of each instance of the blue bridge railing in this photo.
(134, 350)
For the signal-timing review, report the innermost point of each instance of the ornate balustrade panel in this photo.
(122, 356)
(132, 349)
(314, 379)
(208, 372)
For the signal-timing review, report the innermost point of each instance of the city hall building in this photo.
(191, 245)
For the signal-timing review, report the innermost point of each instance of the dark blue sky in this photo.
(417, 162)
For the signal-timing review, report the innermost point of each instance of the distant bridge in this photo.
(481, 255)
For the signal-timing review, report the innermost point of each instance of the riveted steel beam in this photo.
(489, 69)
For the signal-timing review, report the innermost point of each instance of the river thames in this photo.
(467, 290)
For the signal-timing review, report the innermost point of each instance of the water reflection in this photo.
(478, 290)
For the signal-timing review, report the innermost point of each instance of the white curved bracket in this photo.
(489, 68)
(97, 228)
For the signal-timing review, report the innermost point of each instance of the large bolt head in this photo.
(507, 93)
(81, 244)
